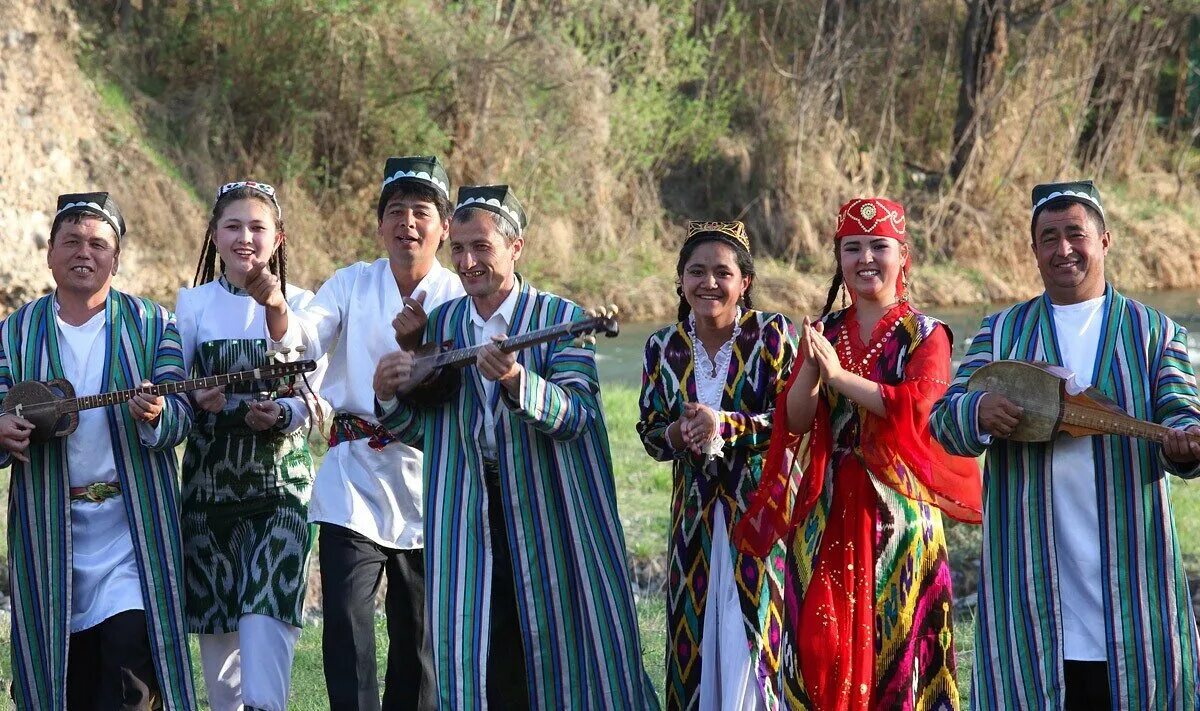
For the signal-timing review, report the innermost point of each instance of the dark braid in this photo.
(833, 292)
(210, 265)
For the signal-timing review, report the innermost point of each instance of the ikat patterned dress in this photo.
(763, 353)
(867, 607)
(245, 493)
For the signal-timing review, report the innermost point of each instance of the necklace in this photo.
(867, 362)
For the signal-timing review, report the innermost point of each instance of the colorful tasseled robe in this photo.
(581, 640)
(1142, 365)
(763, 353)
(142, 343)
(868, 591)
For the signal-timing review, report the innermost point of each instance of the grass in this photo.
(644, 492)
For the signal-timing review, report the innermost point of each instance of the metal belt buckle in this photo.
(100, 491)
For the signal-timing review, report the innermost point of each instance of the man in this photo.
(367, 494)
(530, 604)
(95, 558)
(1083, 601)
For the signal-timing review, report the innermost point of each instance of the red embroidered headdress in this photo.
(875, 217)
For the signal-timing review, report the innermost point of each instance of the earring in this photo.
(904, 284)
(842, 289)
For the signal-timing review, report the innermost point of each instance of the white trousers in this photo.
(728, 681)
(250, 667)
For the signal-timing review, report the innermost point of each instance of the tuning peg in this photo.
(593, 312)
(272, 354)
(301, 349)
(612, 310)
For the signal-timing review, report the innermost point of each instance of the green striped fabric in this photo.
(1142, 364)
(582, 649)
(142, 343)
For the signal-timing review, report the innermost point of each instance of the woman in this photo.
(868, 605)
(247, 469)
(708, 389)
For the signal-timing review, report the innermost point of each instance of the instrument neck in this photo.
(1117, 424)
(465, 356)
(117, 397)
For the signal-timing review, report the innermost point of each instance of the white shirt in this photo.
(210, 312)
(377, 494)
(1074, 510)
(497, 325)
(104, 573)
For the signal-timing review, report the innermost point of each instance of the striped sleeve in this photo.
(954, 421)
(402, 421)
(176, 419)
(6, 380)
(1175, 401)
(563, 402)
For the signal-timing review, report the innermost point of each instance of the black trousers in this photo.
(352, 568)
(111, 666)
(506, 677)
(1087, 686)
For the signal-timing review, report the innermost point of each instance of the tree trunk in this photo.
(984, 52)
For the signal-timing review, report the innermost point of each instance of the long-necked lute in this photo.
(437, 369)
(1040, 390)
(53, 409)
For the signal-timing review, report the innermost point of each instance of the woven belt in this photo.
(97, 492)
(347, 428)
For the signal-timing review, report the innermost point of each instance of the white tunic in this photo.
(377, 494)
(104, 573)
(497, 325)
(1074, 510)
(211, 312)
(728, 682)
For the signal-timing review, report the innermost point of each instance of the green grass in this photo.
(644, 493)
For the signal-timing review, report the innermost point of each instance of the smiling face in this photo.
(411, 229)
(1070, 246)
(83, 256)
(245, 232)
(871, 266)
(483, 257)
(712, 282)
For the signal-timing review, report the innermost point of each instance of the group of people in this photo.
(812, 464)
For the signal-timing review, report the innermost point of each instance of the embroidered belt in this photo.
(97, 492)
(347, 428)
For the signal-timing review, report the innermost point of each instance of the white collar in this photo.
(507, 307)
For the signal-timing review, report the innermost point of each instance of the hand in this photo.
(495, 364)
(263, 415)
(393, 374)
(998, 416)
(210, 399)
(698, 426)
(823, 353)
(264, 287)
(409, 324)
(1181, 449)
(14, 436)
(146, 407)
(809, 362)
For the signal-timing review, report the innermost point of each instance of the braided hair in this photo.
(211, 265)
(744, 261)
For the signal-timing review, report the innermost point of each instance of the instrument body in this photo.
(1040, 389)
(437, 369)
(53, 409)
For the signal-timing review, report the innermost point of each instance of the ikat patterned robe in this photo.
(758, 371)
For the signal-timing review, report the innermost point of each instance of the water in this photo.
(620, 358)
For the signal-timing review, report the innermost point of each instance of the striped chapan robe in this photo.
(762, 358)
(581, 642)
(1142, 365)
(143, 345)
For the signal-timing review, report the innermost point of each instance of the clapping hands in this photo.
(698, 426)
(818, 352)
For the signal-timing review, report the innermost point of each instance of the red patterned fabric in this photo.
(836, 620)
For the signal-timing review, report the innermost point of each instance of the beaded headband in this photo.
(263, 188)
